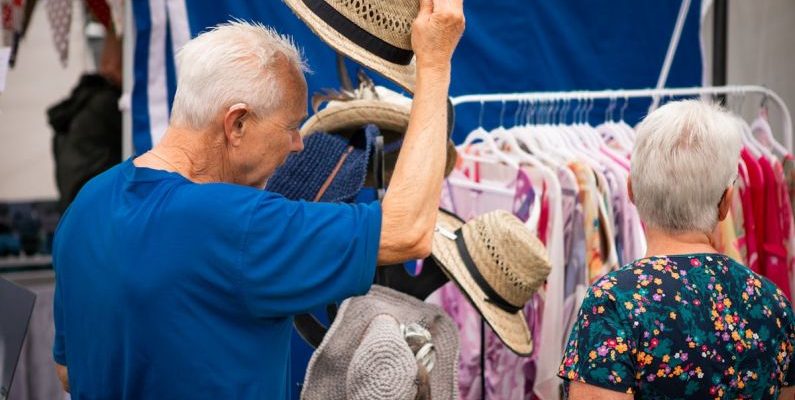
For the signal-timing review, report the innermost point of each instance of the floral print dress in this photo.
(697, 326)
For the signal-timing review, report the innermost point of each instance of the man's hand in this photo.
(63, 376)
(436, 32)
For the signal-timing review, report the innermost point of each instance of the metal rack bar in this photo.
(636, 93)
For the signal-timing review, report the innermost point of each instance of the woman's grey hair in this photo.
(230, 63)
(686, 155)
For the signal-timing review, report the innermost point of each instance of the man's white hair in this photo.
(686, 155)
(230, 63)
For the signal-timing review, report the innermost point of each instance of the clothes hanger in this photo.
(556, 132)
(589, 142)
(603, 163)
(608, 152)
(611, 129)
(488, 142)
(559, 141)
(583, 145)
(764, 133)
(480, 134)
(747, 138)
(624, 127)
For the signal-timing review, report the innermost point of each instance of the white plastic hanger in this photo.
(624, 127)
(747, 139)
(534, 137)
(480, 134)
(495, 155)
(611, 129)
(762, 131)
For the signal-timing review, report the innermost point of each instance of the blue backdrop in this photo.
(509, 46)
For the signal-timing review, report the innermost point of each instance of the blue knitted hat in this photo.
(331, 168)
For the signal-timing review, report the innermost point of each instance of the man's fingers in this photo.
(426, 6)
(447, 5)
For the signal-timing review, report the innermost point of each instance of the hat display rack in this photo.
(395, 276)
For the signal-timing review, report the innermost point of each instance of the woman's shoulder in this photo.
(671, 273)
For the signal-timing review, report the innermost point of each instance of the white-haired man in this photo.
(686, 322)
(176, 275)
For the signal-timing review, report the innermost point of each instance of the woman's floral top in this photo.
(695, 326)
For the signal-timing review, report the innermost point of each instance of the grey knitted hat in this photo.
(385, 345)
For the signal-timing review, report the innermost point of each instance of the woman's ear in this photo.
(234, 120)
(725, 203)
(629, 189)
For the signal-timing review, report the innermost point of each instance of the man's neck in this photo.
(188, 153)
(660, 243)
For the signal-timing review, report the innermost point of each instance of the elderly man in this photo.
(177, 274)
(686, 322)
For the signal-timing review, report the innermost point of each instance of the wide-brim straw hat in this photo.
(498, 264)
(387, 110)
(362, 356)
(374, 33)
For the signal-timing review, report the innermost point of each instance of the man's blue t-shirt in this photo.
(175, 290)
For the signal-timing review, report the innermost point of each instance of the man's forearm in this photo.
(410, 204)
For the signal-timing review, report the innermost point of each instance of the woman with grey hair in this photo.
(685, 322)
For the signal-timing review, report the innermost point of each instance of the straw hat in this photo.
(374, 33)
(385, 345)
(498, 264)
(386, 109)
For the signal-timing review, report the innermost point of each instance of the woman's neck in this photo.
(660, 243)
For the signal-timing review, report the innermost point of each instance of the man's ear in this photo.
(234, 121)
(629, 189)
(725, 203)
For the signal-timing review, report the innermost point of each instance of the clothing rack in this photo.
(638, 93)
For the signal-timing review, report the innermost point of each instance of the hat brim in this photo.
(357, 113)
(512, 329)
(402, 75)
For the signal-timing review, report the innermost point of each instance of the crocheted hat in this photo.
(385, 345)
(331, 168)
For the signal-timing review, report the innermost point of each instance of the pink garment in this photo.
(787, 220)
(738, 212)
(774, 254)
(543, 221)
(623, 162)
(753, 209)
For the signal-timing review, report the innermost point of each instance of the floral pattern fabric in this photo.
(695, 326)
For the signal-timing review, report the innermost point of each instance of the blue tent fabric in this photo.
(509, 46)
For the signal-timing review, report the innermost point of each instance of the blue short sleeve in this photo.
(59, 345)
(297, 256)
